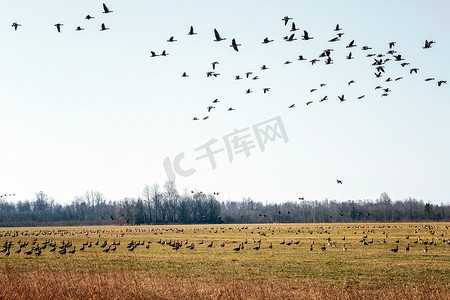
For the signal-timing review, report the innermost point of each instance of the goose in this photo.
(365, 48)
(231, 109)
(293, 29)
(291, 38)
(308, 103)
(351, 81)
(338, 180)
(106, 9)
(351, 44)
(88, 17)
(218, 37)
(103, 27)
(266, 41)
(265, 90)
(323, 99)
(15, 25)
(79, 28)
(440, 82)
(300, 57)
(234, 45)
(171, 39)
(214, 63)
(335, 39)
(413, 70)
(337, 28)
(58, 26)
(286, 20)
(164, 53)
(360, 97)
(349, 56)
(306, 36)
(342, 99)
(191, 31)
(395, 249)
(291, 106)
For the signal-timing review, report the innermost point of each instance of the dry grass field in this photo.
(254, 261)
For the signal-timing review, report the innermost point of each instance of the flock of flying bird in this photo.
(379, 63)
(58, 26)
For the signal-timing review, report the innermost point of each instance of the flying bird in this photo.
(266, 41)
(153, 54)
(88, 17)
(104, 27)
(106, 9)
(440, 82)
(291, 38)
(171, 39)
(15, 25)
(218, 37)
(351, 44)
(234, 45)
(191, 31)
(338, 181)
(164, 53)
(79, 28)
(291, 106)
(58, 26)
(293, 27)
(214, 64)
(265, 90)
(306, 36)
(286, 20)
(337, 28)
(184, 74)
(341, 98)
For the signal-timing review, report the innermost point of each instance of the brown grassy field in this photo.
(276, 262)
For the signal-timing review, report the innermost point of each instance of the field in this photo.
(255, 261)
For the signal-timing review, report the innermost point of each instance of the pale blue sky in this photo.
(91, 110)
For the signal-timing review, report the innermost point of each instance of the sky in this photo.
(91, 110)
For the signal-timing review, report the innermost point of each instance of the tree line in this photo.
(165, 205)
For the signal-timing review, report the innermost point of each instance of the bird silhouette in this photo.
(106, 9)
(15, 25)
(440, 82)
(171, 39)
(338, 181)
(79, 28)
(234, 45)
(351, 44)
(341, 98)
(103, 28)
(293, 29)
(286, 20)
(191, 31)
(218, 37)
(306, 36)
(58, 26)
(292, 106)
(337, 28)
(291, 38)
(88, 17)
(266, 41)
